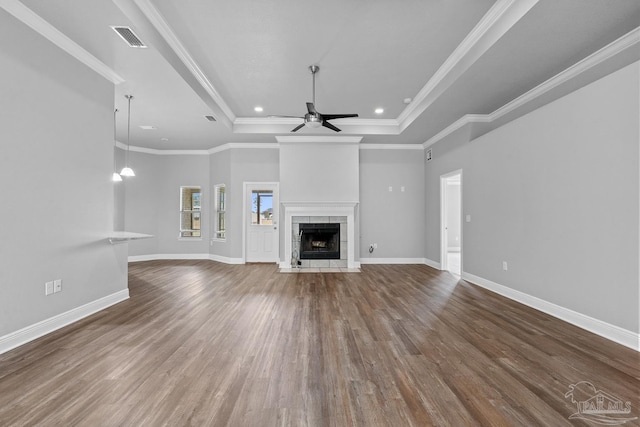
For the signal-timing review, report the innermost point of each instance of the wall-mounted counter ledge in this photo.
(125, 236)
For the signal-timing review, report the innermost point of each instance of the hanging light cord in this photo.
(128, 127)
(115, 141)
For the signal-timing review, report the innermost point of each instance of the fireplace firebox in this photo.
(320, 241)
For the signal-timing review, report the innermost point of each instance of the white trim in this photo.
(627, 41)
(444, 244)
(37, 330)
(319, 139)
(231, 145)
(153, 257)
(212, 257)
(432, 263)
(49, 32)
(169, 152)
(370, 261)
(611, 332)
(226, 260)
(161, 25)
(502, 16)
(219, 148)
(391, 147)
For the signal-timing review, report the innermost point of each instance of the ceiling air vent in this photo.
(210, 118)
(128, 36)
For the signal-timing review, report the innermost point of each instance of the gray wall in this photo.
(394, 220)
(319, 172)
(153, 202)
(56, 121)
(555, 193)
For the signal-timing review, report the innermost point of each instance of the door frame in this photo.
(444, 264)
(245, 194)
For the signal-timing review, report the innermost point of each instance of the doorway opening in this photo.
(451, 222)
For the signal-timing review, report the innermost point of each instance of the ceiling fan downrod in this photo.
(314, 69)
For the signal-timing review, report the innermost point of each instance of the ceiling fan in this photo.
(313, 118)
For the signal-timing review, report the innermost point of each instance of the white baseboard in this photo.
(225, 260)
(432, 264)
(212, 257)
(30, 333)
(611, 332)
(392, 260)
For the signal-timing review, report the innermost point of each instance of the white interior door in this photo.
(261, 222)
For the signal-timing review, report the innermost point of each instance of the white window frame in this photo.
(183, 210)
(219, 235)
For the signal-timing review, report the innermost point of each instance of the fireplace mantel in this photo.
(347, 209)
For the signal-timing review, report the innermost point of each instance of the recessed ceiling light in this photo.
(379, 110)
(407, 100)
(258, 109)
(148, 127)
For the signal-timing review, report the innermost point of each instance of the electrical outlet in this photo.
(48, 288)
(402, 189)
(468, 218)
(505, 267)
(57, 286)
(390, 189)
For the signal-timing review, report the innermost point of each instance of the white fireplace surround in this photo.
(347, 209)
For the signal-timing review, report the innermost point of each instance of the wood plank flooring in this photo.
(206, 344)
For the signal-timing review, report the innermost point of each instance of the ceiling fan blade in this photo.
(286, 117)
(337, 116)
(311, 108)
(297, 128)
(330, 126)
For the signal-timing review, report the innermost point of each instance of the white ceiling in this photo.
(224, 57)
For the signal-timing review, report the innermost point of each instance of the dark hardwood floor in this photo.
(202, 343)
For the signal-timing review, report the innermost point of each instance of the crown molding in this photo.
(168, 152)
(218, 149)
(275, 125)
(391, 147)
(628, 41)
(161, 25)
(619, 45)
(295, 120)
(318, 139)
(502, 16)
(241, 145)
(48, 31)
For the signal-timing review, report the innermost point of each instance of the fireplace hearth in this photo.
(320, 241)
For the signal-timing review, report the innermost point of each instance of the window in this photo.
(262, 207)
(190, 211)
(219, 208)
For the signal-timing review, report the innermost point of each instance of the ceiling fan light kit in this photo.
(314, 119)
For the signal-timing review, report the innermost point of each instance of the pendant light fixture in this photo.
(116, 176)
(127, 171)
